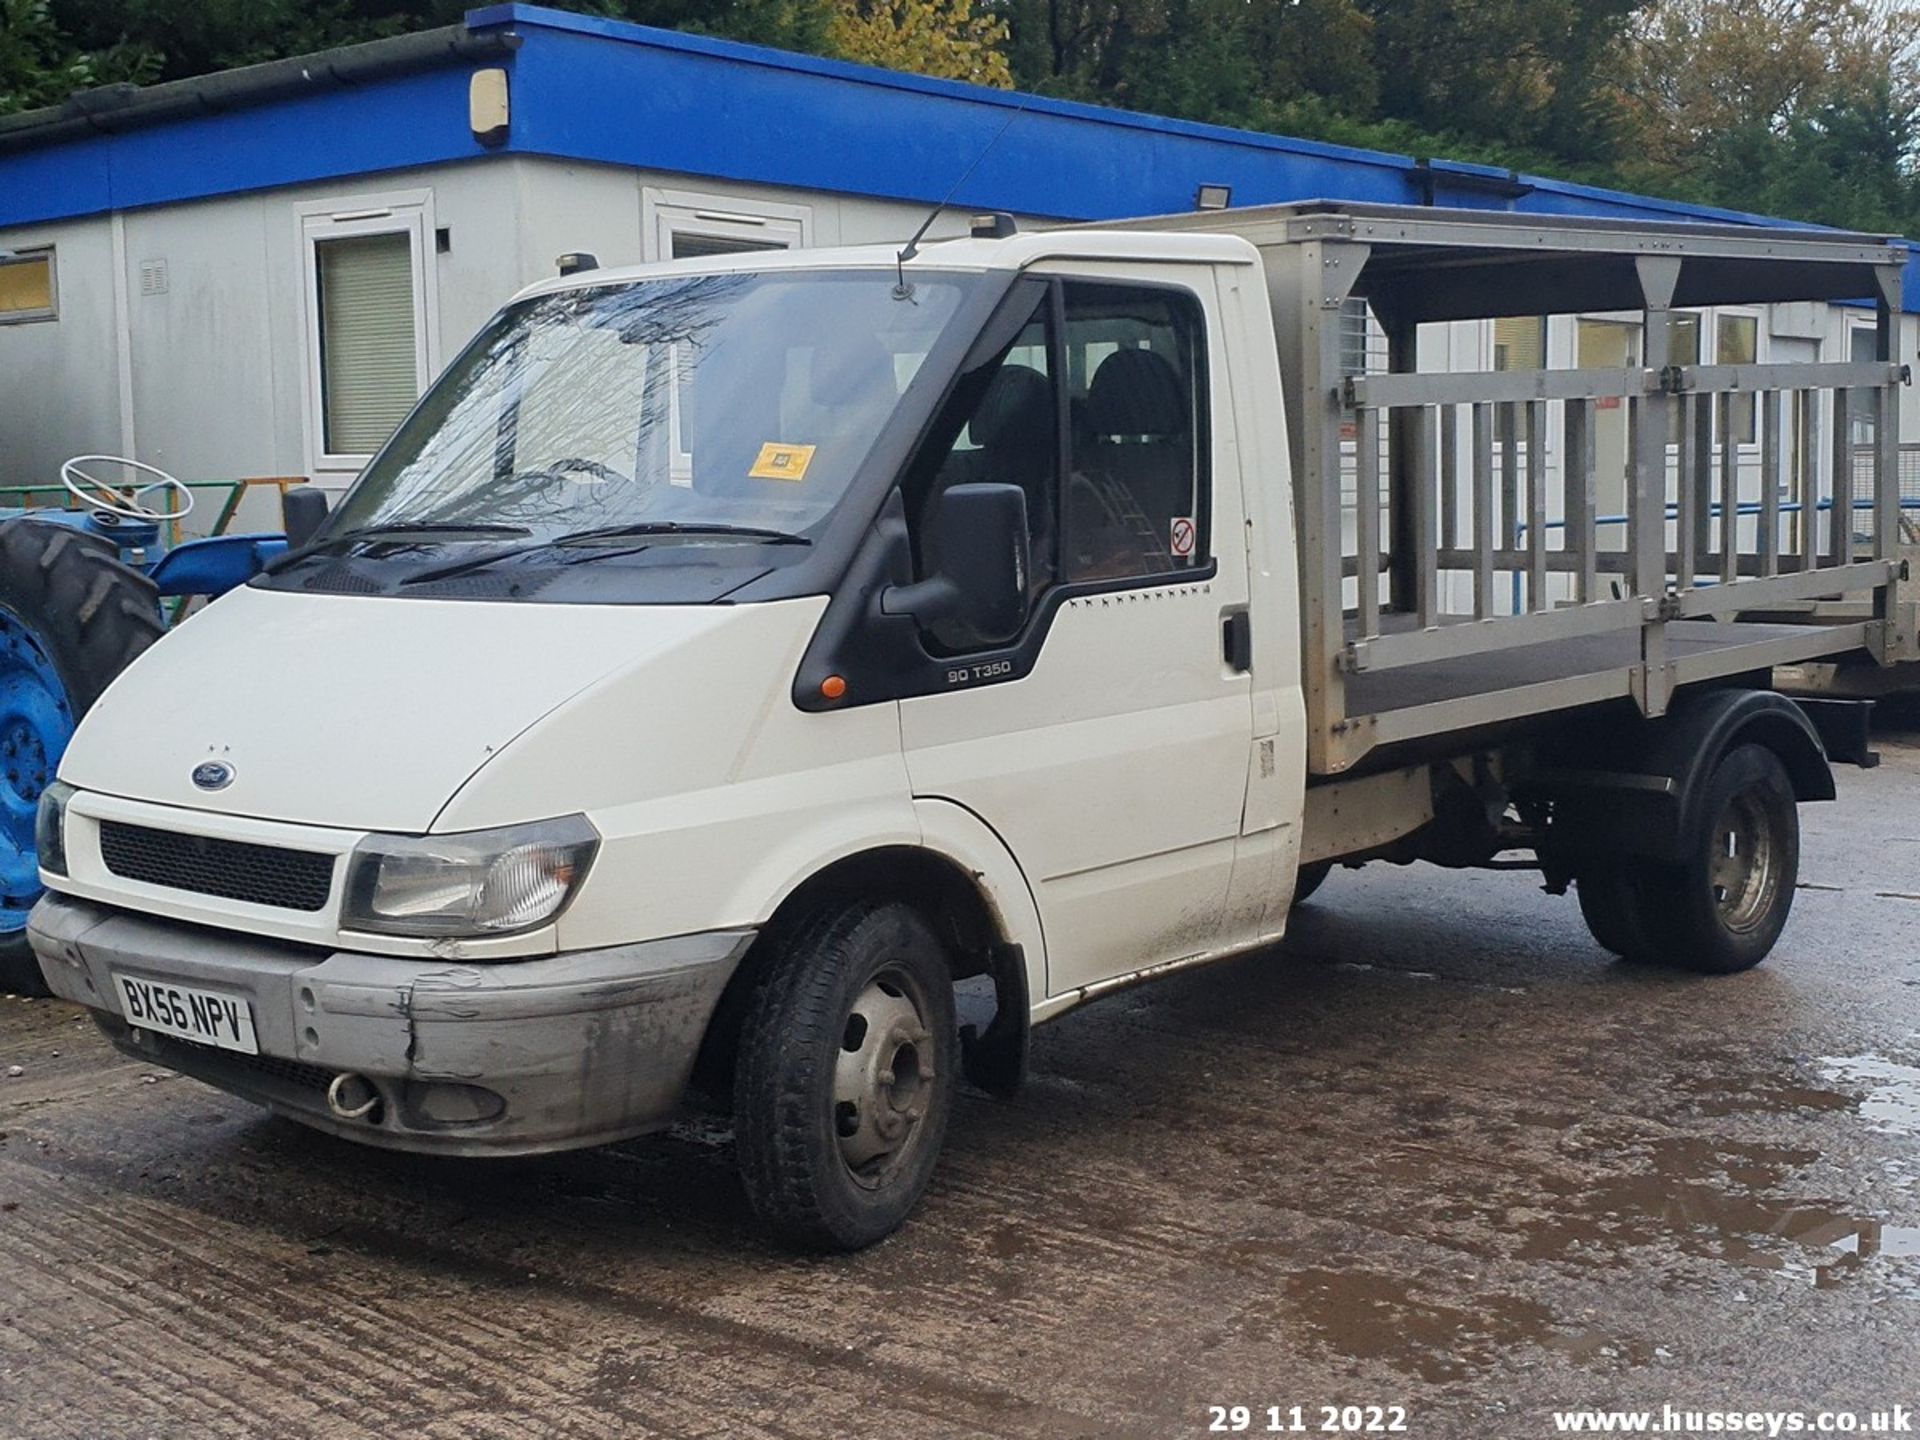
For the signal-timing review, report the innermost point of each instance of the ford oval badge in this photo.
(213, 774)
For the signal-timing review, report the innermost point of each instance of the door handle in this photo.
(1236, 638)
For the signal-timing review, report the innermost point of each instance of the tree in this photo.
(1696, 70)
(1256, 65)
(40, 64)
(1808, 108)
(944, 38)
(1525, 73)
(1235, 62)
(208, 35)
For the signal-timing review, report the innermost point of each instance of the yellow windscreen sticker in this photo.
(782, 462)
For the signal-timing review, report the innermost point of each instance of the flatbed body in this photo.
(1458, 565)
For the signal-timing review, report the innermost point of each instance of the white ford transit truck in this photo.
(729, 658)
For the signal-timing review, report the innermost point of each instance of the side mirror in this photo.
(976, 541)
(301, 512)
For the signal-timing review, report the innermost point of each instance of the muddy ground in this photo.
(1436, 1151)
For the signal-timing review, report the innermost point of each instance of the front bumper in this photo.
(502, 1058)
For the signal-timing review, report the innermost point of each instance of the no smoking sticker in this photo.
(1183, 538)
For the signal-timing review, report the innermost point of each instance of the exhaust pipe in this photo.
(352, 1096)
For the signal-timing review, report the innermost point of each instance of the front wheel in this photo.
(845, 1075)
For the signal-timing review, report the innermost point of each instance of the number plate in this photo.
(206, 1017)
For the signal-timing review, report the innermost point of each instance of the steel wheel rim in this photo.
(883, 1078)
(1744, 871)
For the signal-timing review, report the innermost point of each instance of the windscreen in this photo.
(745, 399)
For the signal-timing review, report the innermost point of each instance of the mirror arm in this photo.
(927, 600)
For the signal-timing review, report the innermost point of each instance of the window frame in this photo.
(1044, 605)
(1357, 325)
(1863, 421)
(28, 255)
(1721, 314)
(409, 213)
(665, 214)
(1544, 325)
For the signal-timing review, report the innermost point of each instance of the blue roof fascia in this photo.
(666, 100)
(591, 89)
(526, 18)
(685, 109)
(1555, 196)
(389, 124)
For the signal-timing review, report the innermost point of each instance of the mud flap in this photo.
(996, 1059)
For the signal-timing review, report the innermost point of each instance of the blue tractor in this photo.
(81, 594)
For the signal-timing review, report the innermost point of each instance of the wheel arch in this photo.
(1712, 728)
(986, 931)
(1640, 792)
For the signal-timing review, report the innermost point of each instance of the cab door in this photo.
(1115, 766)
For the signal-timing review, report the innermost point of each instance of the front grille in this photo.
(231, 869)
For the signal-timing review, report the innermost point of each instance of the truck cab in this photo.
(901, 616)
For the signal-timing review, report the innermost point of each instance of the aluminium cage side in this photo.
(1461, 566)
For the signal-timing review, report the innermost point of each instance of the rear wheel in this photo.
(72, 617)
(1723, 909)
(845, 1075)
(1611, 904)
(1720, 910)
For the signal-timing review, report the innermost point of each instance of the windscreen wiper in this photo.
(393, 530)
(639, 529)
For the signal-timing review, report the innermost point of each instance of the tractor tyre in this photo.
(72, 617)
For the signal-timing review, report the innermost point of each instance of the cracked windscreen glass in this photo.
(701, 404)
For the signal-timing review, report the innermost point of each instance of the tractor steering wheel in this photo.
(125, 501)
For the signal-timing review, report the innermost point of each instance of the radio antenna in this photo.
(902, 290)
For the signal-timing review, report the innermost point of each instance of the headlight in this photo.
(50, 828)
(481, 882)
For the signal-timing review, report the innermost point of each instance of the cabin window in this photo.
(1110, 378)
(1520, 342)
(369, 328)
(682, 225)
(27, 286)
(1737, 341)
(368, 377)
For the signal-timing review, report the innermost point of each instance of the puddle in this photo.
(1891, 1098)
(1706, 1199)
(1714, 1094)
(1854, 1256)
(1616, 1206)
(1870, 1237)
(1366, 1315)
(1696, 1196)
(1710, 1199)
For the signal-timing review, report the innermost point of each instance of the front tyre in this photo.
(1722, 909)
(845, 1076)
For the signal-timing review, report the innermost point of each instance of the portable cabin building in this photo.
(255, 273)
